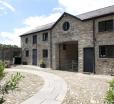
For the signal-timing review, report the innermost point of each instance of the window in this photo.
(26, 40)
(45, 53)
(27, 53)
(45, 37)
(66, 26)
(105, 26)
(35, 39)
(64, 46)
(106, 51)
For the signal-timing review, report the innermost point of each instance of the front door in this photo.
(89, 60)
(34, 56)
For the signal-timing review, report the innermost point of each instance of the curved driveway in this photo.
(53, 91)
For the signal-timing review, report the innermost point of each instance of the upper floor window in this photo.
(27, 53)
(45, 36)
(105, 26)
(45, 53)
(26, 40)
(106, 51)
(35, 39)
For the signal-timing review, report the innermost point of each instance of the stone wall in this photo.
(103, 65)
(39, 46)
(79, 31)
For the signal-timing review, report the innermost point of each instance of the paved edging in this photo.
(53, 91)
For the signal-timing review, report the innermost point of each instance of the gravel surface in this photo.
(27, 87)
(82, 88)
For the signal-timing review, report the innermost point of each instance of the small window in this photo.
(26, 40)
(35, 39)
(105, 26)
(45, 37)
(66, 26)
(106, 51)
(27, 53)
(45, 53)
(64, 46)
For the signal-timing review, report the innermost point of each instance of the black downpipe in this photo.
(50, 48)
(94, 40)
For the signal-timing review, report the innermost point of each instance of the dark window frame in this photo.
(106, 51)
(34, 39)
(107, 25)
(26, 40)
(27, 53)
(64, 47)
(45, 36)
(66, 26)
(45, 53)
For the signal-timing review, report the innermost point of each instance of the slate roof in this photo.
(39, 29)
(96, 13)
(84, 16)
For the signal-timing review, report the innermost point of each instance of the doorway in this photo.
(34, 57)
(89, 60)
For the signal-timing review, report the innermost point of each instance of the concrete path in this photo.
(53, 91)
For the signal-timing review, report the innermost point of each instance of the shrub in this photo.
(110, 93)
(1, 68)
(10, 85)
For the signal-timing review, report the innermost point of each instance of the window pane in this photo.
(106, 51)
(45, 53)
(45, 36)
(101, 26)
(109, 25)
(26, 40)
(35, 39)
(27, 53)
(102, 51)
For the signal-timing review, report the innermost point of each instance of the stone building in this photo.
(83, 43)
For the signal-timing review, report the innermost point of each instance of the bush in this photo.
(110, 93)
(10, 85)
(1, 68)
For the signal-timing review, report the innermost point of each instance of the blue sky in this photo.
(19, 16)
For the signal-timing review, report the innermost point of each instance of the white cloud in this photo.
(30, 22)
(41, 20)
(5, 5)
(81, 6)
(61, 10)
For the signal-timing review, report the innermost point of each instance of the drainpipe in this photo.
(50, 48)
(59, 56)
(94, 40)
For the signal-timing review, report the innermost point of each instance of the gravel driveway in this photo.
(82, 88)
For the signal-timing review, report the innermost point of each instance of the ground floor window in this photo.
(27, 53)
(45, 53)
(106, 51)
